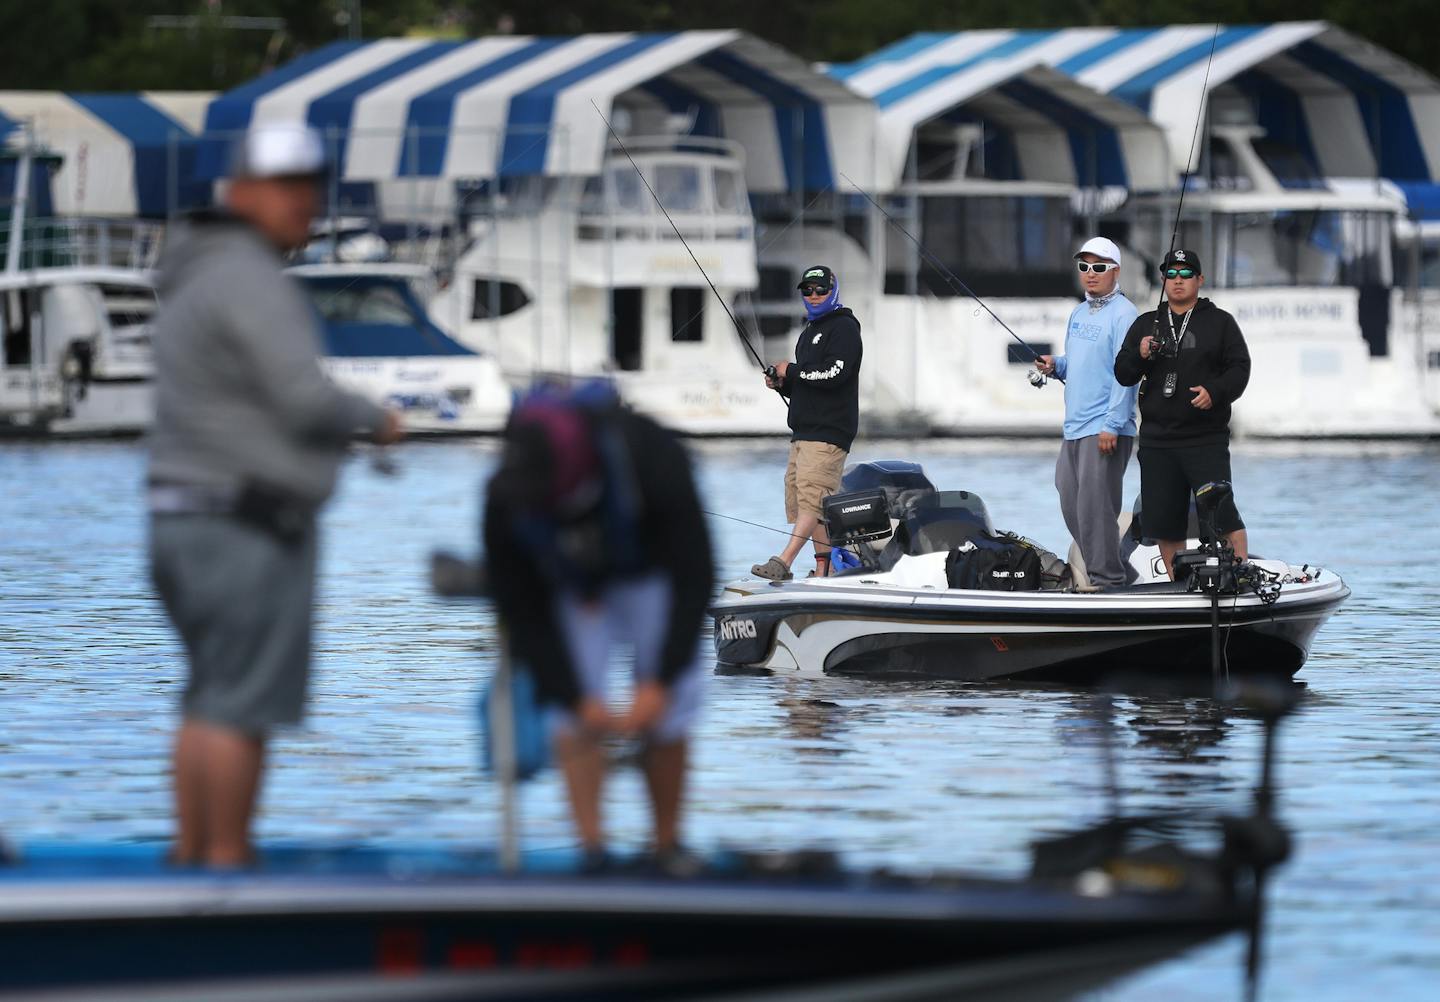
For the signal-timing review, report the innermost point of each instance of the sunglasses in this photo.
(1099, 267)
(814, 290)
(1180, 273)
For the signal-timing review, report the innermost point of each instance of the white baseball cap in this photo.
(1101, 248)
(279, 149)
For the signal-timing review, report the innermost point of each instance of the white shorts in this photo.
(637, 613)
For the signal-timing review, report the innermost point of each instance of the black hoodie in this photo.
(673, 540)
(823, 383)
(1212, 354)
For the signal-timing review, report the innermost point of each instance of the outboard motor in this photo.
(937, 522)
(897, 474)
(882, 486)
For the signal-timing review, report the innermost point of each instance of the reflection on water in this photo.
(948, 775)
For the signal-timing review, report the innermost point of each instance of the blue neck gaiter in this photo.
(830, 304)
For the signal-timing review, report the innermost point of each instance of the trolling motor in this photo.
(1211, 568)
(1214, 570)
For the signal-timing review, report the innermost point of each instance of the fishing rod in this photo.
(955, 283)
(768, 370)
(1184, 185)
(760, 253)
(784, 532)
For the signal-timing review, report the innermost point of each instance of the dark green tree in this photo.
(117, 45)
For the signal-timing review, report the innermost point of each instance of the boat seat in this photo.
(1076, 560)
(1077, 566)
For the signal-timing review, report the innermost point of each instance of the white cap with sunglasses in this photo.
(1102, 248)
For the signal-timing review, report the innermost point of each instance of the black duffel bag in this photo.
(988, 562)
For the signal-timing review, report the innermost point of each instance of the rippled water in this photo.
(916, 775)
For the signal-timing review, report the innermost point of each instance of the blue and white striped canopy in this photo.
(1062, 130)
(1352, 108)
(518, 105)
(123, 154)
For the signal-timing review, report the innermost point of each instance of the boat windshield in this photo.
(370, 302)
(1284, 248)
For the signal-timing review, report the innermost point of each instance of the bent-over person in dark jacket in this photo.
(823, 384)
(594, 535)
(1195, 364)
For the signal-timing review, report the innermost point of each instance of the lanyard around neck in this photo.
(1170, 316)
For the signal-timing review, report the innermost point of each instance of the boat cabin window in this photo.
(730, 192)
(1304, 248)
(130, 311)
(687, 314)
(1265, 249)
(495, 298)
(678, 186)
(627, 319)
(1017, 354)
(628, 192)
(1004, 245)
(1417, 263)
(15, 309)
(777, 284)
(777, 325)
(1288, 164)
(1226, 172)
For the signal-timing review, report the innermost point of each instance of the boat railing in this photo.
(86, 242)
(700, 180)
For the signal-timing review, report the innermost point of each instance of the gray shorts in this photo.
(243, 603)
(638, 612)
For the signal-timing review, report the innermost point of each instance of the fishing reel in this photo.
(1166, 344)
(1037, 378)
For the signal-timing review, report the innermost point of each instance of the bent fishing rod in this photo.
(768, 370)
(956, 284)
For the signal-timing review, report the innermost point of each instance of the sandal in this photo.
(773, 569)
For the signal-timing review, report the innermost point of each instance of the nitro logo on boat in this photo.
(738, 629)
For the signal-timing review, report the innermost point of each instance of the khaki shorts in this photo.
(812, 473)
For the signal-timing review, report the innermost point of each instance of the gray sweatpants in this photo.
(1090, 484)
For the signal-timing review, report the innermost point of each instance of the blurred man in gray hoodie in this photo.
(248, 438)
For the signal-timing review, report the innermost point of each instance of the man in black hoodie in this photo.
(823, 384)
(1194, 363)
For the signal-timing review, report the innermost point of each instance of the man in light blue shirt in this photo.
(1099, 413)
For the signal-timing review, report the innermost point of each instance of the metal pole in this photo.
(502, 749)
(334, 195)
(172, 164)
(21, 202)
(537, 271)
(411, 227)
(1215, 634)
(567, 242)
